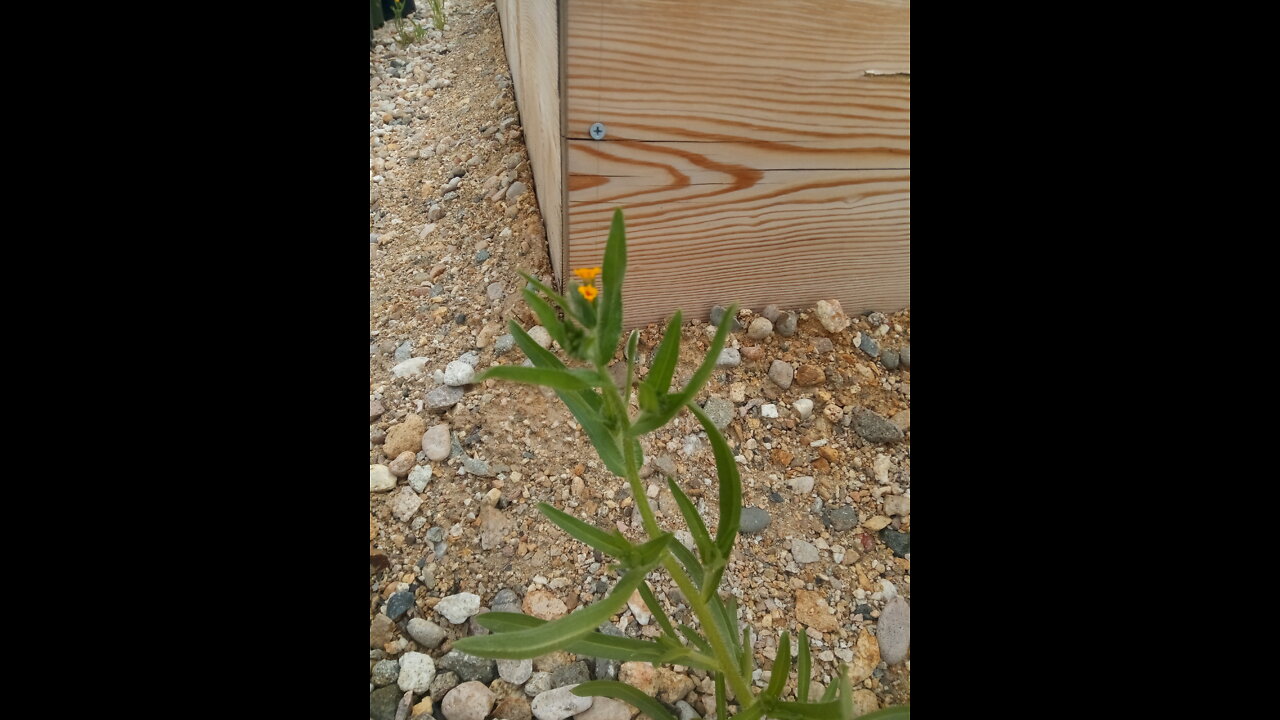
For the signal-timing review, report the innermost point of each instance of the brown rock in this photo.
(810, 375)
(641, 676)
(373, 527)
(831, 454)
(513, 708)
(542, 604)
(782, 457)
(864, 701)
(866, 655)
(821, 465)
(375, 410)
(751, 354)
(403, 464)
(422, 710)
(494, 527)
(407, 436)
(902, 420)
(673, 686)
(812, 610)
(381, 631)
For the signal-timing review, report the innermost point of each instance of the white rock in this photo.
(769, 411)
(729, 357)
(803, 406)
(638, 608)
(889, 589)
(893, 631)
(417, 670)
(603, 708)
(459, 608)
(803, 552)
(802, 484)
(381, 479)
(457, 374)
(435, 442)
(419, 477)
(470, 700)
(540, 336)
(516, 671)
(405, 503)
(558, 704)
(831, 315)
(881, 467)
(411, 367)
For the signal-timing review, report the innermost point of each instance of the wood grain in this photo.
(531, 36)
(755, 158)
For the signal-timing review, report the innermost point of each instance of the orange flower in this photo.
(588, 291)
(587, 274)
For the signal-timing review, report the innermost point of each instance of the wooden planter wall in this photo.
(760, 150)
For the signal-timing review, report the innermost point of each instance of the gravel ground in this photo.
(819, 418)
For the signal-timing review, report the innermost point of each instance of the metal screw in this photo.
(597, 131)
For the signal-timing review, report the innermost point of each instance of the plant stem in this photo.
(728, 665)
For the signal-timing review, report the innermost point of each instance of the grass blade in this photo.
(803, 669)
(622, 691)
(897, 712)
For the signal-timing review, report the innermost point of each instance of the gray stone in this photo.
(803, 407)
(686, 711)
(516, 190)
(399, 603)
(481, 256)
(570, 674)
(729, 357)
(405, 351)
(504, 343)
(495, 291)
(876, 318)
(785, 325)
(889, 358)
(443, 683)
(893, 632)
(869, 346)
(719, 410)
(823, 344)
(435, 534)
(781, 373)
(801, 484)
(473, 626)
(381, 479)
(444, 397)
(375, 410)
(383, 703)
(842, 518)
(875, 428)
(898, 542)
(538, 683)
(469, 357)
(558, 704)
(459, 608)
(540, 336)
(803, 552)
(419, 477)
(417, 670)
(477, 467)
(457, 374)
(385, 672)
(605, 668)
(426, 633)
(435, 442)
(515, 672)
(760, 329)
(410, 368)
(603, 708)
(665, 464)
(753, 520)
(897, 505)
(468, 701)
(506, 600)
(405, 503)
(771, 312)
(469, 667)
(905, 355)
(717, 314)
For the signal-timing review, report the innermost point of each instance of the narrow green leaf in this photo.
(664, 360)
(730, 484)
(560, 299)
(654, 607)
(829, 694)
(622, 691)
(546, 316)
(722, 710)
(558, 634)
(803, 668)
(595, 644)
(897, 712)
(845, 694)
(782, 710)
(695, 639)
(614, 272)
(696, 527)
(691, 388)
(781, 668)
(586, 532)
(559, 379)
(690, 563)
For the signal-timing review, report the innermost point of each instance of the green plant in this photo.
(437, 13)
(404, 37)
(590, 332)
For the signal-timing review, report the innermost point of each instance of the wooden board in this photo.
(530, 33)
(760, 150)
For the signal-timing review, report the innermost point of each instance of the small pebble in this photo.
(381, 479)
(717, 314)
(558, 704)
(771, 312)
(905, 356)
(426, 633)
(540, 336)
(375, 410)
(781, 373)
(468, 701)
(442, 398)
(482, 256)
(785, 324)
(443, 683)
(459, 608)
(719, 410)
(869, 346)
(385, 672)
(875, 428)
(898, 542)
(504, 343)
(399, 603)
(729, 357)
(769, 411)
(495, 291)
(403, 463)
(841, 519)
(831, 315)
(753, 520)
(804, 552)
(889, 358)
(405, 351)
(893, 631)
(803, 407)
(457, 374)
(417, 670)
(436, 443)
(515, 672)
(760, 329)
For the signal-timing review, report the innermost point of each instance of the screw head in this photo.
(597, 131)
